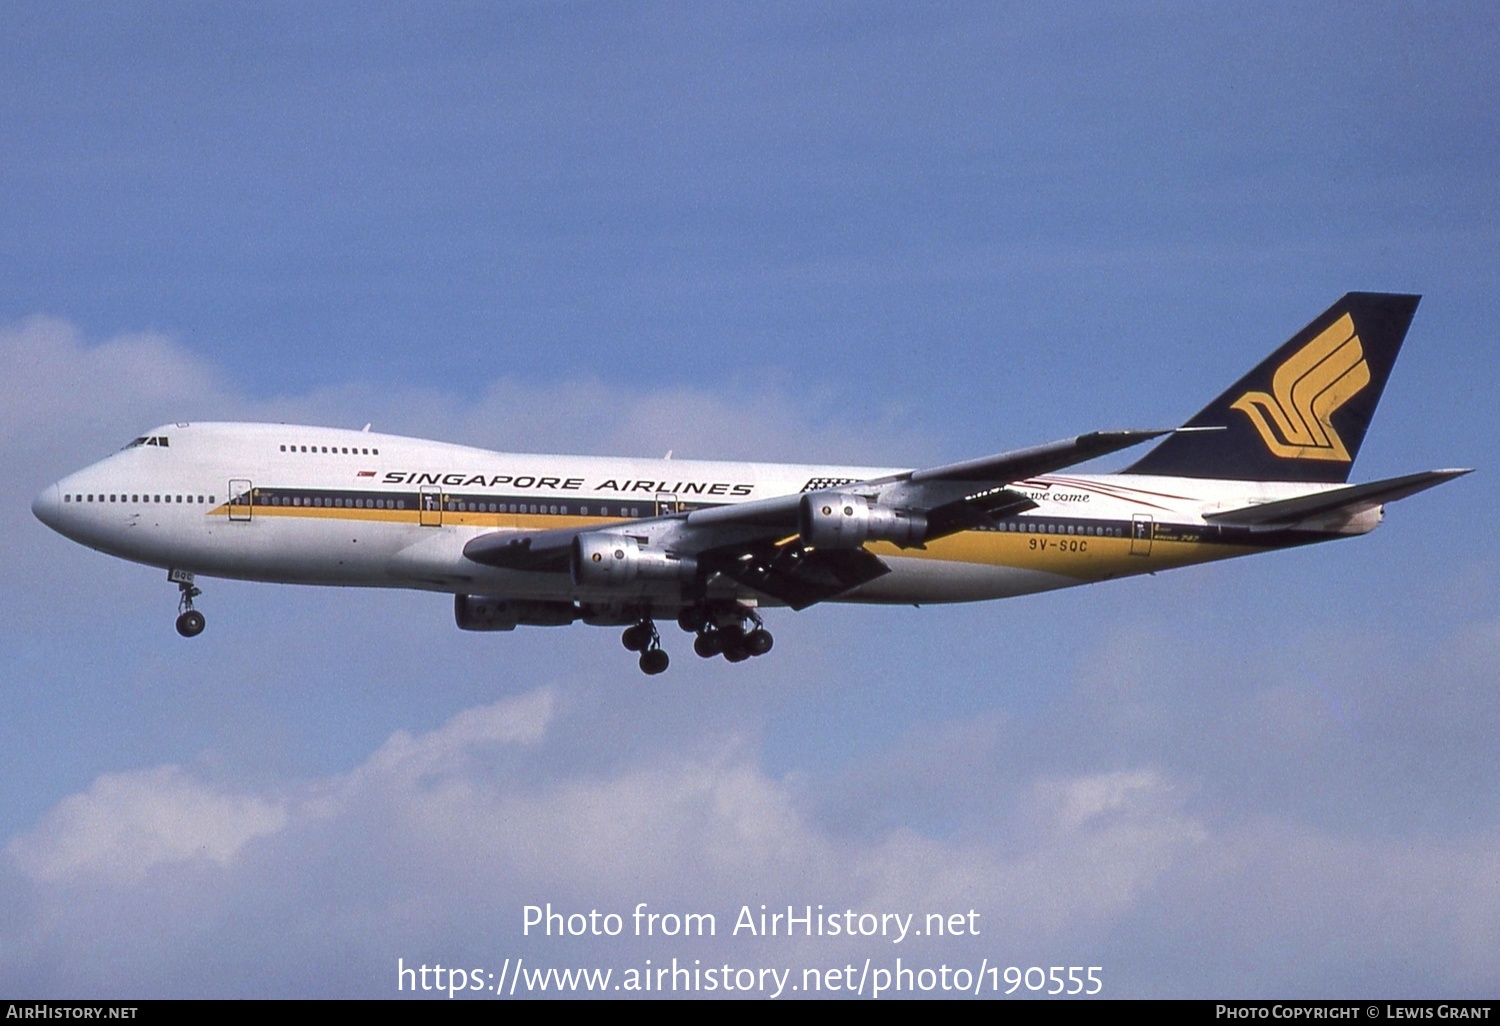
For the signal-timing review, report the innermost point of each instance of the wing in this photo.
(808, 546)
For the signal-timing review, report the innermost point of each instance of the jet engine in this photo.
(618, 559)
(837, 520)
(483, 613)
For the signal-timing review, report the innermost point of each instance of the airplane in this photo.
(551, 540)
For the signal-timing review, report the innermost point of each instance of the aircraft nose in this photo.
(47, 507)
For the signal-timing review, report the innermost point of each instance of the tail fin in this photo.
(1302, 414)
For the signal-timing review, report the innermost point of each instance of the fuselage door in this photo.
(239, 499)
(430, 506)
(666, 502)
(1142, 530)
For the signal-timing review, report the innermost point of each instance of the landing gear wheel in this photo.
(708, 644)
(691, 619)
(759, 641)
(190, 622)
(654, 661)
(639, 637)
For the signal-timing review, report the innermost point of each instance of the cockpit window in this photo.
(159, 440)
(139, 441)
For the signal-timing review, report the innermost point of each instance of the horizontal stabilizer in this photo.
(1351, 497)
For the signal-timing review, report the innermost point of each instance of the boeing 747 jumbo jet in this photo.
(549, 540)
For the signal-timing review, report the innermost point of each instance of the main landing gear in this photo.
(736, 640)
(736, 634)
(643, 638)
(190, 622)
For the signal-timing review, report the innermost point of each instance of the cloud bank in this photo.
(1195, 812)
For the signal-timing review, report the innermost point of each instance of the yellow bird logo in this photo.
(1313, 383)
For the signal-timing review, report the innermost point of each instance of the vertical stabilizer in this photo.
(1302, 414)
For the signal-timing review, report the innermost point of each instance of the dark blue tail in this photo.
(1302, 414)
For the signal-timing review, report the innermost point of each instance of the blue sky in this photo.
(863, 233)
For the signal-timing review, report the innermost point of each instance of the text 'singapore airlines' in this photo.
(553, 540)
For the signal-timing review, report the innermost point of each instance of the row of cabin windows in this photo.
(338, 503)
(120, 497)
(1030, 527)
(455, 507)
(522, 507)
(1014, 526)
(336, 450)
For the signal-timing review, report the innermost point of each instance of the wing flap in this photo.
(802, 577)
(976, 511)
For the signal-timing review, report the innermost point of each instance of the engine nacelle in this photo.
(612, 560)
(482, 613)
(837, 520)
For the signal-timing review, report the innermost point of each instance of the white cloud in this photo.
(127, 824)
(55, 382)
(450, 832)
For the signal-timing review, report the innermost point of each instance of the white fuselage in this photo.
(309, 505)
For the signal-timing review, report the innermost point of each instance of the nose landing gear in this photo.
(190, 622)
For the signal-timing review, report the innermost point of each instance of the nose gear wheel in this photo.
(190, 622)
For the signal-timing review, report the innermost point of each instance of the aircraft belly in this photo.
(981, 565)
(931, 580)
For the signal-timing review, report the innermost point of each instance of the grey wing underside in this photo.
(756, 543)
